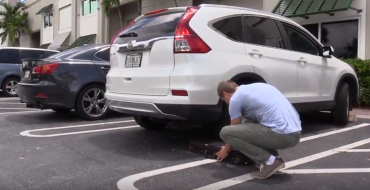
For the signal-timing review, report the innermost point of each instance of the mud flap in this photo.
(210, 149)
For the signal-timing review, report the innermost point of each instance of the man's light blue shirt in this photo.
(263, 103)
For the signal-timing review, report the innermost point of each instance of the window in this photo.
(313, 29)
(231, 28)
(48, 20)
(152, 27)
(89, 7)
(262, 31)
(10, 56)
(343, 36)
(35, 54)
(299, 41)
(85, 55)
(103, 55)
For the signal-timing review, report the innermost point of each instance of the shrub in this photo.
(362, 68)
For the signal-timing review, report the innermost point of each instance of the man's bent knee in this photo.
(226, 132)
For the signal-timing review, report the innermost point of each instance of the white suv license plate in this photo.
(27, 74)
(133, 60)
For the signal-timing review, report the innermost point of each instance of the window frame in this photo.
(49, 17)
(305, 34)
(278, 25)
(90, 7)
(99, 59)
(210, 25)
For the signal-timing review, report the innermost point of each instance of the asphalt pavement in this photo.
(43, 150)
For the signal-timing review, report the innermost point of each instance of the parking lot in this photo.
(46, 150)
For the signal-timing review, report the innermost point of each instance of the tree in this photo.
(107, 5)
(14, 22)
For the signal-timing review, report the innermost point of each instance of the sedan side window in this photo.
(299, 41)
(262, 31)
(103, 55)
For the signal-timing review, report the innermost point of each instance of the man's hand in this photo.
(222, 154)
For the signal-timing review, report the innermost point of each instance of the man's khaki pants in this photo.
(256, 141)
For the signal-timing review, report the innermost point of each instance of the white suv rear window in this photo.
(152, 27)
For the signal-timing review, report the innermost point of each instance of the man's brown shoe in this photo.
(267, 170)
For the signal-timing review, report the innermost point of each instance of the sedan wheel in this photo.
(10, 87)
(91, 103)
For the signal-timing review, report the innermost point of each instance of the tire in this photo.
(61, 110)
(340, 113)
(224, 120)
(91, 102)
(5, 87)
(151, 124)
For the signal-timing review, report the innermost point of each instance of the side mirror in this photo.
(327, 51)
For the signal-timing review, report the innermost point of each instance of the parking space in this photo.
(46, 150)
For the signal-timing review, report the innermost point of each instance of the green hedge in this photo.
(362, 68)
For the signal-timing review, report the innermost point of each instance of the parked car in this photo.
(10, 63)
(166, 65)
(72, 79)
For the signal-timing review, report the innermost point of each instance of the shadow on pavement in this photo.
(160, 145)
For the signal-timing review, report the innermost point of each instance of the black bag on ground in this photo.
(209, 150)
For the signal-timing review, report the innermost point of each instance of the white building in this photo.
(61, 24)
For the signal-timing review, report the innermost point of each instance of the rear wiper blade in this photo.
(128, 34)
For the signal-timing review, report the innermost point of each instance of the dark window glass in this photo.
(49, 53)
(232, 28)
(10, 56)
(152, 27)
(343, 36)
(35, 54)
(262, 31)
(68, 52)
(313, 29)
(87, 55)
(104, 55)
(299, 41)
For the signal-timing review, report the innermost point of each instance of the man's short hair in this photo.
(227, 86)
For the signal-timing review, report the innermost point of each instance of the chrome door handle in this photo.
(302, 60)
(255, 52)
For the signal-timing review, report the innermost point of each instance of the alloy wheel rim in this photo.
(11, 87)
(93, 102)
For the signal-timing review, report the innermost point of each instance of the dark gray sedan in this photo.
(72, 79)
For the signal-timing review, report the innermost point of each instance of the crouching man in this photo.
(273, 124)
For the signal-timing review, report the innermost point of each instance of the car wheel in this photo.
(340, 113)
(62, 110)
(10, 87)
(91, 104)
(224, 120)
(150, 123)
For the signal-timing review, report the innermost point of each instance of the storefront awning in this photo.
(82, 40)
(304, 8)
(58, 41)
(45, 9)
(45, 46)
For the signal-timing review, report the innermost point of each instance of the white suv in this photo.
(166, 65)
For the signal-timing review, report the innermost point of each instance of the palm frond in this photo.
(107, 5)
(14, 22)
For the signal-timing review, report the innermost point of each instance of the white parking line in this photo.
(10, 98)
(15, 108)
(127, 183)
(24, 112)
(12, 103)
(28, 132)
(326, 171)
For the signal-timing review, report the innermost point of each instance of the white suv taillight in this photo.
(186, 40)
